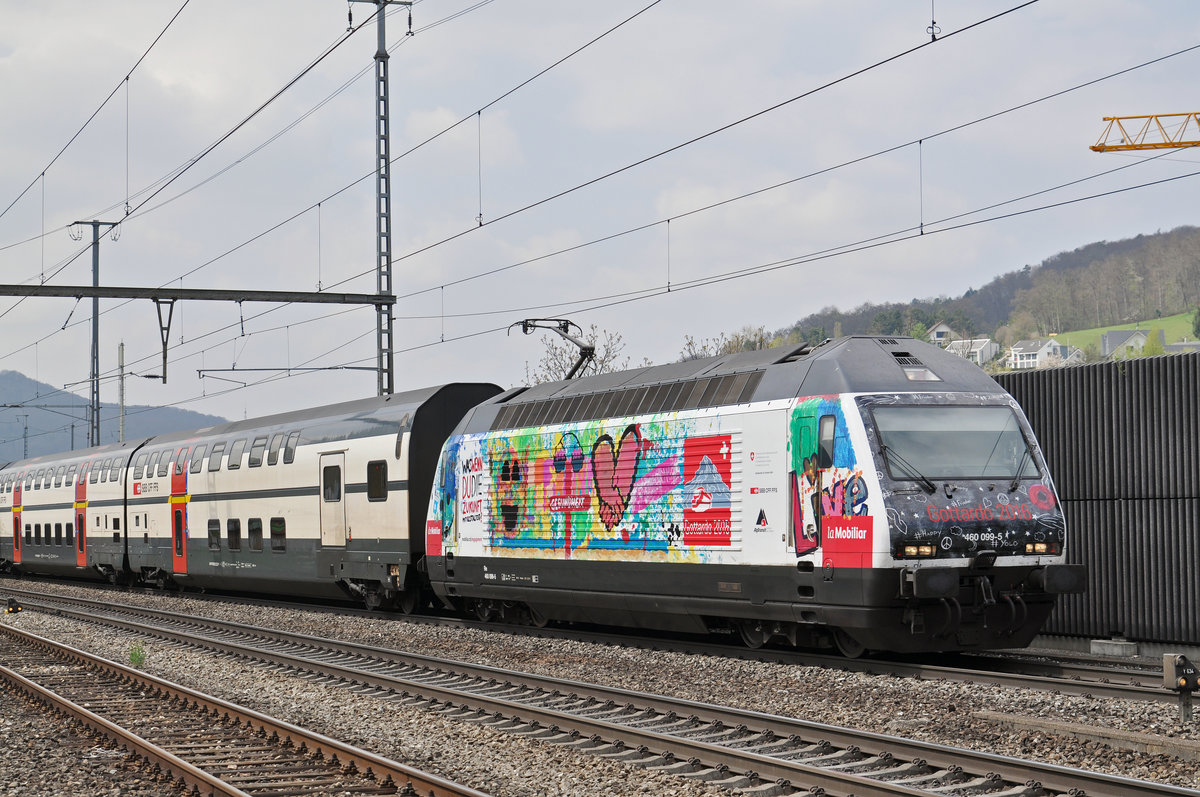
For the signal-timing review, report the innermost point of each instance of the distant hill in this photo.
(1099, 284)
(50, 427)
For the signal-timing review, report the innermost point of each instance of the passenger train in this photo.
(865, 494)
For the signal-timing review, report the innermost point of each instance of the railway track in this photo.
(1063, 673)
(759, 753)
(204, 744)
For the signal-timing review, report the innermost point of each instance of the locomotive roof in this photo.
(856, 364)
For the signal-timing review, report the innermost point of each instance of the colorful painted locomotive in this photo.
(869, 493)
(872, 493)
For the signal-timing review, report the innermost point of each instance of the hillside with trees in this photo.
(1096, 285)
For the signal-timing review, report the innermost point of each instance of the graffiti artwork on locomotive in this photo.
(868, 493)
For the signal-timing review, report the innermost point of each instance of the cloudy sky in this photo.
(742, 155)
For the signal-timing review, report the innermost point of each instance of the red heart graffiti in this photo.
(614, 469)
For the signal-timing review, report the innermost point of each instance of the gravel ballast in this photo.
(502, 764)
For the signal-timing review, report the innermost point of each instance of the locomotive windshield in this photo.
(953, 442)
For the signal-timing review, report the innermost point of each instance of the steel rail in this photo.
(363, 760)
(191, 776)
(1051, 776)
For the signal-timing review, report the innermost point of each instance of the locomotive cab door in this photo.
(333, 504)
(805, 487)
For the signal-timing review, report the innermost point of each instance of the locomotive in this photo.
(868, 493)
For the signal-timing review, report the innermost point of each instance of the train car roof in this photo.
(347, 419)
(856, 364)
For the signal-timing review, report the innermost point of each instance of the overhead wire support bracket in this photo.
(1165, 131)
(562, 328)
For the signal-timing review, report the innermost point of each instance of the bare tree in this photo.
(558, 356)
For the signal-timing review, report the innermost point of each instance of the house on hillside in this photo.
(941, 334)
(1126, 342)
(1042, 353)
(978, 350)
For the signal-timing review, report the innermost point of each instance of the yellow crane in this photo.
(1157, 131)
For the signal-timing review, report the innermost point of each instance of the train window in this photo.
(37, 533)
(214, 459)
(181, 460)
(71, 534)
(117, 469)
(69, 479)
(152, 465)
(331, 483)
(116, 526)
(273, 451)
(104, 467)
(164, 462)
(28, 533)
(58, 474)
(825, 435)
(278, 534)
(58, 534)
(214, 535)
(198, 458)
(256, 451)
(233, 534)
(137, 521)
(139, 464)
(377, 487)
(254, 534)
(289, 449)
(37, 479)
(235, 454)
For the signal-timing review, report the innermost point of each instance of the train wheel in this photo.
(537, 619)
(847, 645)
(409, 600)
(484, 610)
(753, 634)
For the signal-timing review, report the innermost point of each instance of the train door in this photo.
(333, 504)
(179, 512)
(805, 480)
(16, 516)
(80, 506)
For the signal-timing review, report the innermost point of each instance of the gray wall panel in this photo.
(1123, 444)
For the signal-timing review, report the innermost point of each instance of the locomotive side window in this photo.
(235, 454)
(254, 536)
(214, 459)
(256, 451)
(198, 458)
(139, 465)
(233, 537)
(289, 449)
(331, 483)
(214, 535)
(377, 489)
(825, 435)
(273, 452)
(278, 534)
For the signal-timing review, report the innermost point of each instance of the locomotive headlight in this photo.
(925, 550)
(393, 570)
(1039, 547)
(910, 550)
